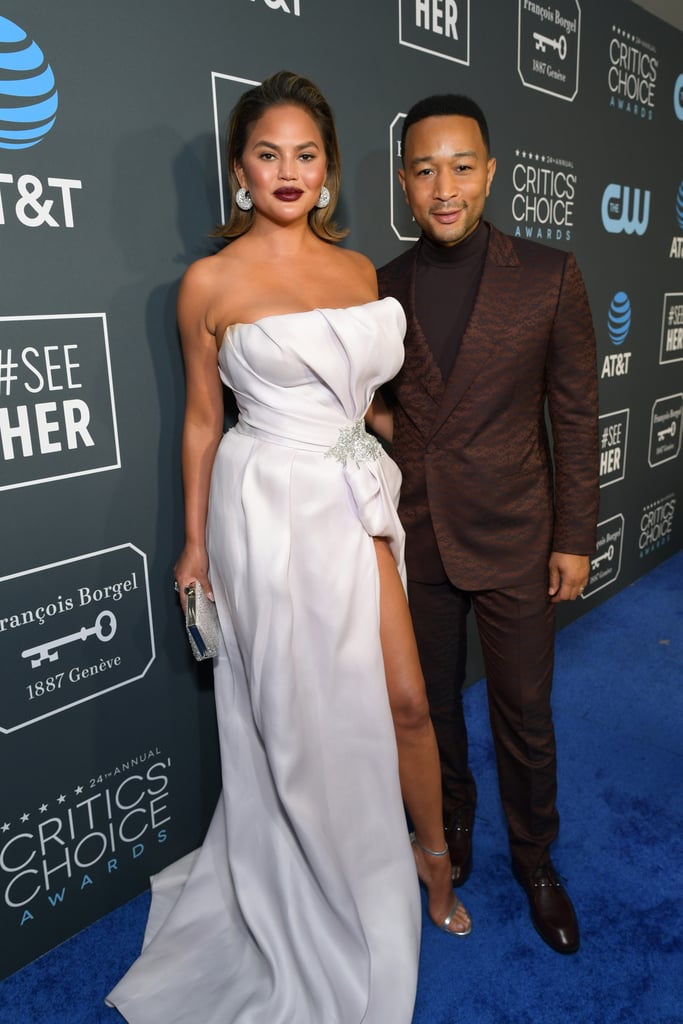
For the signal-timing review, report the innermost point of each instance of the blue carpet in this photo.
(619, 718)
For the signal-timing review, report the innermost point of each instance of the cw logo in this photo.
(623, 212)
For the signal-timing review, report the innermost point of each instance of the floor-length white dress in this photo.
(302, 905)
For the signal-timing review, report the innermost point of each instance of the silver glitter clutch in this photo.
(201, 622)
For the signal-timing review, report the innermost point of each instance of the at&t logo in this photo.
(676, 250)
(619, 318)
(616, 364)
(625, 209)
(678, 97)
(28, 95)
(28, 110)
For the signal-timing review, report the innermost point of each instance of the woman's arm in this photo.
(380, 418)
(203, 424)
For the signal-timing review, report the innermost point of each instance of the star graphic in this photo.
(25, 817)
(42, 808)
(61, 798)
(6, 826)
(78, 790)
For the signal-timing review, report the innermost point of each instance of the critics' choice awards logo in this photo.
(656, 524)
(74, 840)
(439, 27)
(616, 364)
(548, 47)
(613, 440)
(671, 345)
(544, 196)
(285, 6)
(676, 250)
(72, 631)
(665, 429)
(57, 412)
(632, 74)
(606, 562)
(28, 110)
(625, 209)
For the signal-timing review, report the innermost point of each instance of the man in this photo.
(498, 328)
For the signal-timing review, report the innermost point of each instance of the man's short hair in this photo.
(444, 105)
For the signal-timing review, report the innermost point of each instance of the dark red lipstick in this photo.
(288, 195)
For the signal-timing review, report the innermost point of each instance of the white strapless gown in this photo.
(302, 905)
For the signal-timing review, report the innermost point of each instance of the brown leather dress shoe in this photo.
(459, 838)
(552, 913)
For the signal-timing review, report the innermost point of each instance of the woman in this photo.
(301, 906)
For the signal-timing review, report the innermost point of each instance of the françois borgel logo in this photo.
(548, 46)
(656, 524)
(632, 75)
(403, 223)
(29, 100)
(616, 364)
(665, 429)
(671, 346)
(57, 413)
(606, 562)
(625, 209)
(77, 836)
(676, 250)
(439, 27)
(544, 196)
(73, 631)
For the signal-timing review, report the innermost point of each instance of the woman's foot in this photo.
(434, 871)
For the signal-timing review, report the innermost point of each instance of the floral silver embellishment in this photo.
(355, 443)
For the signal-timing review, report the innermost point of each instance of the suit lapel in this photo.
(481, 337)
(420, 365)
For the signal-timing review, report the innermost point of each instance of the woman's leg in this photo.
(418, 756)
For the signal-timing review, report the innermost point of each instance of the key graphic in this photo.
(608, 554)
(671, 429)
(104, 629)
(542, 42)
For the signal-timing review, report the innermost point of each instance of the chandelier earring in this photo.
(324, 198)
(243, 199)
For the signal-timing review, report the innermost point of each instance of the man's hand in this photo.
(567, 576)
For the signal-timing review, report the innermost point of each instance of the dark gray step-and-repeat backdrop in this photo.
(110, 183)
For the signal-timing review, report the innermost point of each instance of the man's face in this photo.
(446, 176)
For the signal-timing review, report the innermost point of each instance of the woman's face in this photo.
(283, 164)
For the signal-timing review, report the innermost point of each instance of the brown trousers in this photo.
(517, 632)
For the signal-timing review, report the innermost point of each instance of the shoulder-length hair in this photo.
(284, 88)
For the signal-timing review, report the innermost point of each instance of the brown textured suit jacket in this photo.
(479, 493)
